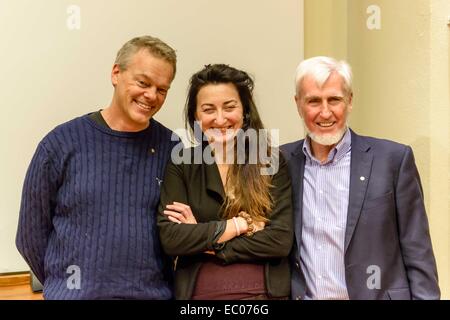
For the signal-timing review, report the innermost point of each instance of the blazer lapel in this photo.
(297, 165)
(360, 168)
(213, 180)
(210, 171)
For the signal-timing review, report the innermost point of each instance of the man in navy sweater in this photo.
(87, 218)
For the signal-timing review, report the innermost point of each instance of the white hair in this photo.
(320, 68)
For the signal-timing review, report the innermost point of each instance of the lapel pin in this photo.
(362, 178)
(152, 151)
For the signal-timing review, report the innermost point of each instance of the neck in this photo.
(223, 153)
(116, 120)
(320, 151)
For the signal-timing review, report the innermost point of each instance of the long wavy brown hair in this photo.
(245, 188)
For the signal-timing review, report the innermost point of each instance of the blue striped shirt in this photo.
(325, 205)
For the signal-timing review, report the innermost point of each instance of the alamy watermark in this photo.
(249, 146)
(74, 17)
(374, 20)
(374, 280)
(74, 280)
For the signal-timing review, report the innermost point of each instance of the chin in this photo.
(142, 117)
(327, 139)
(220, 139)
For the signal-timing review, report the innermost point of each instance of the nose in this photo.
(220, 118)
(150, 93)
(325, 111)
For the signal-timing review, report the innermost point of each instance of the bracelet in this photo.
(249, 220)
(238, 231)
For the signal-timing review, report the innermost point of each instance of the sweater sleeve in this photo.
(37, 205)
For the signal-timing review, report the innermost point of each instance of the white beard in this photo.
(327, 139)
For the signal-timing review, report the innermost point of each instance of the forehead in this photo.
(147, 64)
(221, 92)
(334, 85)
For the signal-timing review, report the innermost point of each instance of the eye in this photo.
(141, 83)
(334, 100)
(162, 92)
(208, 110)
(313, 102)
(230, 108)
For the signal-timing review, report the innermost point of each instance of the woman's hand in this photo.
(252, 226)
(259, 225)
(180, 213)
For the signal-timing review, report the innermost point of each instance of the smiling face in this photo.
(220, 111)
(325, 109)
(140, 90)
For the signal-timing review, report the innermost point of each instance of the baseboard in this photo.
(14, 279)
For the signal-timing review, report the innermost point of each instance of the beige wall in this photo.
(326, 28)
(51, 74)
(439, 113)
(401, 88)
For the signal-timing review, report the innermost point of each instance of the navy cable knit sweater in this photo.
(87, 218)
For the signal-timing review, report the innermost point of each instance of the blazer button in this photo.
(298, 298)
(297, 265)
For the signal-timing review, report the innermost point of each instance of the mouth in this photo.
(325, 124)
(143, 106)
(223, 130)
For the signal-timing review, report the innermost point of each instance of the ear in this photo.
(115, 75)
(299, 107)
(350, 102)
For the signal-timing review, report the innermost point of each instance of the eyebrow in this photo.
(207, 105)
(319, 97)
(230, 101)
(212, 105)
(312, 97)
(151, 80)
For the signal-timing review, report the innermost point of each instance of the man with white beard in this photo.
(361, 230)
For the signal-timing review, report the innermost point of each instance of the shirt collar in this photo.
(339, 151)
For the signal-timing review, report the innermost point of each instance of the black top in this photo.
(200, 187)
(98, 118)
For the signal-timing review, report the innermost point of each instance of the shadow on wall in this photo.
(422, 145)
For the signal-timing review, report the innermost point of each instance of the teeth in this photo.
(326, 124)
(144, 106)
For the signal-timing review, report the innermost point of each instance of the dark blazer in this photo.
(200, 186)
(386, 227)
